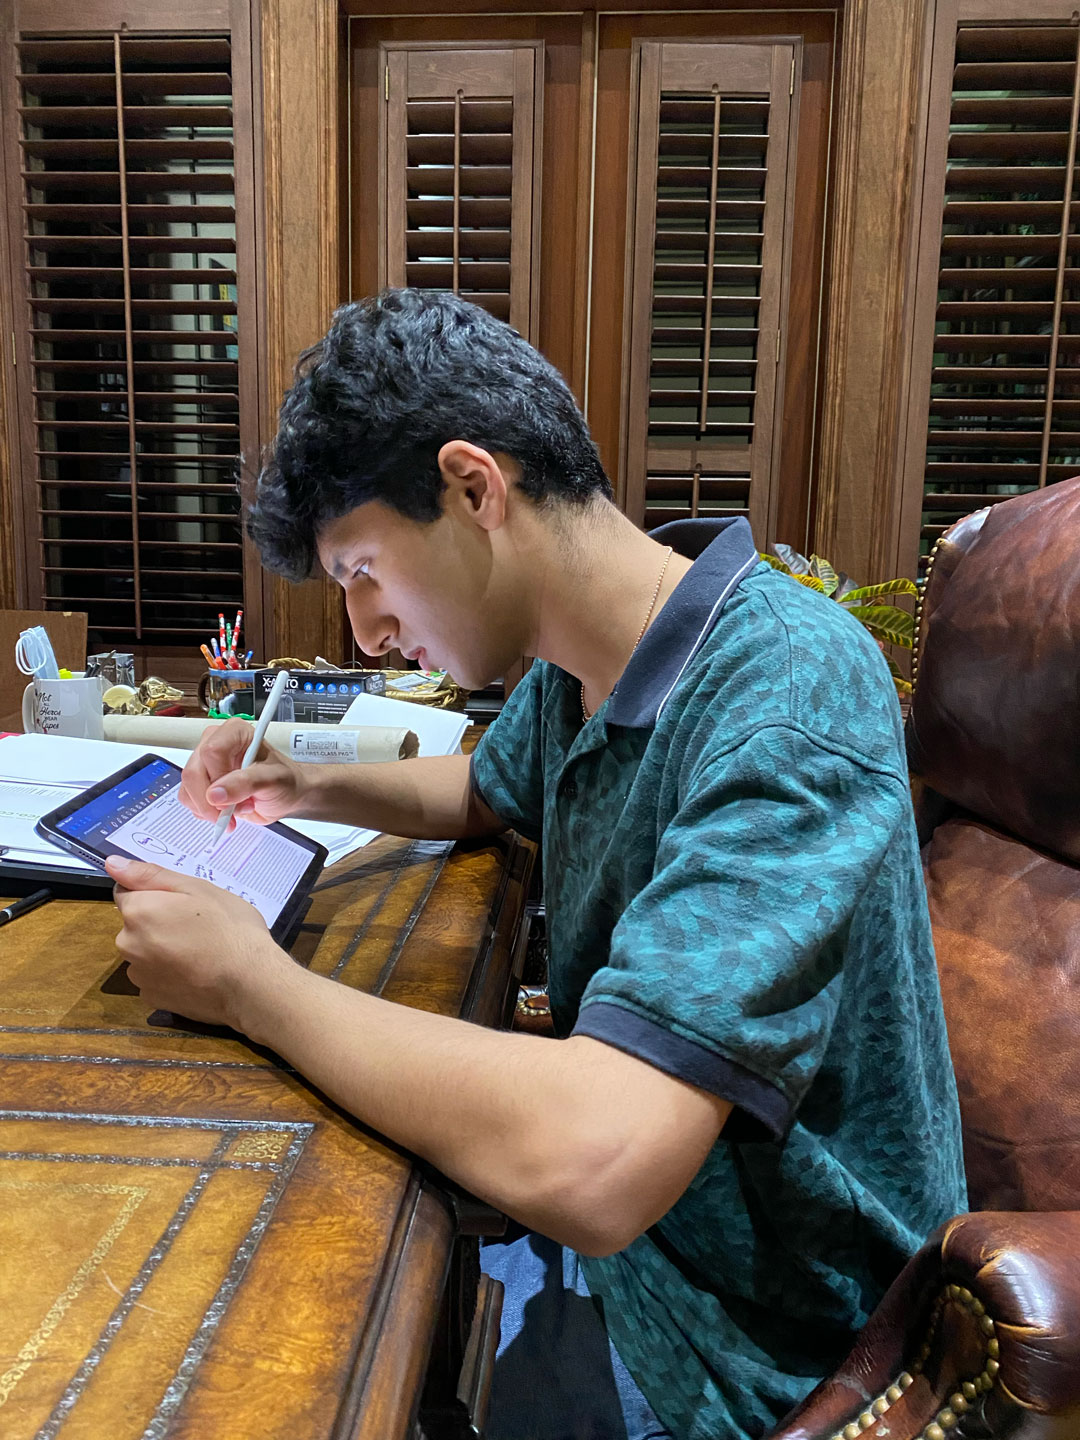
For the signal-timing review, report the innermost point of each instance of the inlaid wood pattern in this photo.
(192, 1241)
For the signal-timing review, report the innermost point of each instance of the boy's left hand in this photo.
(191, 947)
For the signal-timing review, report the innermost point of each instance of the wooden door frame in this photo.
(876, 172)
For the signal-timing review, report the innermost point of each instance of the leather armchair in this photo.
(980, 1334)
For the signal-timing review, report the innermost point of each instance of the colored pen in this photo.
(236, 628)
(211, 660)
(221, 629)
(247, 657)
(269, 709)
(24, 906)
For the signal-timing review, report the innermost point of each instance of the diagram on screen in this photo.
(251, 862)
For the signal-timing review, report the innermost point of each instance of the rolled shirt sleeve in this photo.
(725, 970)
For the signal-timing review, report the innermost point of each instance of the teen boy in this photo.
(749, 1121)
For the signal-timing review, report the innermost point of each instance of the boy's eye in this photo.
(361, 569)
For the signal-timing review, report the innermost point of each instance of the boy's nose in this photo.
(369, 631)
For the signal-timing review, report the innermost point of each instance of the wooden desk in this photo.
(193, 1242)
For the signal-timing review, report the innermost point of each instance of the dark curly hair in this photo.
(372, 403)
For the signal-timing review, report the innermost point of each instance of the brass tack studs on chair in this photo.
(959, 1402)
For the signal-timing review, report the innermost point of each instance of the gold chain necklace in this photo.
(644, 626)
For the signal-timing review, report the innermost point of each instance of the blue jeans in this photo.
(557, 1375)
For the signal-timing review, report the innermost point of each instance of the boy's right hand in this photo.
(269, 789)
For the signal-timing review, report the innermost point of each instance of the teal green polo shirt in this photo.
(734, 895)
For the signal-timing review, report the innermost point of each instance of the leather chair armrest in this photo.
(979, 1336)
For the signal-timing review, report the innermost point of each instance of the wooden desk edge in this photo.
(394, 1348)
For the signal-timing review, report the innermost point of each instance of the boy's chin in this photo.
(471, 677)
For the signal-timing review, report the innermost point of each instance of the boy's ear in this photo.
(475, 481)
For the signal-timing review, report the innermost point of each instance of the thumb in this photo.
(140, 875)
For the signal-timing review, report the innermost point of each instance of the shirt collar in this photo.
(723, 552)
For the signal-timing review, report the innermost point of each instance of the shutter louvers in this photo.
(127, 148)
(708, 280)
(463, 175)
(1005, 389)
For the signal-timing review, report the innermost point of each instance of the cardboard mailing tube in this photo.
(319, 744)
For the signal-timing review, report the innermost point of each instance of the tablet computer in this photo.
(138, 812)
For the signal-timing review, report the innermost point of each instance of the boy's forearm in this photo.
(549, 1131)
(463, 1097)
(427, 798)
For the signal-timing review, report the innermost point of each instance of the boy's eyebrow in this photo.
(341, 565)
(336, 568)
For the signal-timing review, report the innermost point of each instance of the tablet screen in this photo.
(140, 814)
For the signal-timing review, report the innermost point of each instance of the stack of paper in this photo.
(40, 772)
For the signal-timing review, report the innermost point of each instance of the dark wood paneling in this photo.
(609, 352)
(565, 158)
(301, 118)
(868, 291)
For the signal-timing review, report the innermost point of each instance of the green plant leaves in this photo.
(825, 573)
(774, 562)
(862, 593)
(886, 622)
(903, 685)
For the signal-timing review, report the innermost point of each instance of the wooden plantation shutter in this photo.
(138, 284)
(712, 175)
(462, 165)
(997, 387)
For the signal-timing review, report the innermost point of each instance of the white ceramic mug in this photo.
(64, 707)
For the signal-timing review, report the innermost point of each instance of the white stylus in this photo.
(269, 709)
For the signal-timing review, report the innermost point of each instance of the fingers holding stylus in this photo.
(266, 791)
(216, 758)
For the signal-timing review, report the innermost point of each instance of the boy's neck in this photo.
(596, 594)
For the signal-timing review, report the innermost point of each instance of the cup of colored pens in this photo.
(223, 652)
